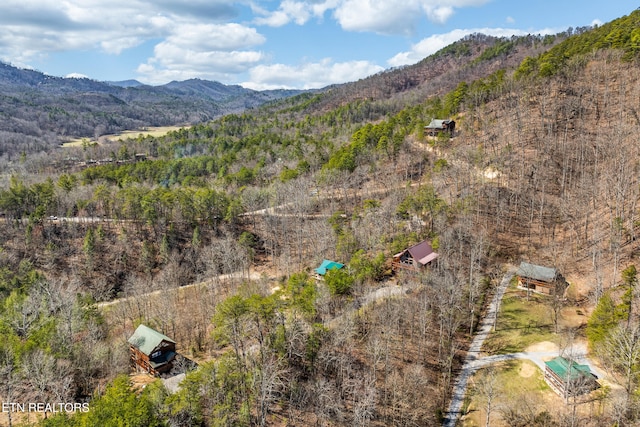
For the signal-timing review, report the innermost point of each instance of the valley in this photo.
(125, 134)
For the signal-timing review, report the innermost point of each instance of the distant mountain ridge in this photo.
(43, 110)
(125, 83)
(39, 110)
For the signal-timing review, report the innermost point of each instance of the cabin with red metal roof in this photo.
(414, 258)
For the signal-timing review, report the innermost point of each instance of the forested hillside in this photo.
(212, 233)
(38, 112)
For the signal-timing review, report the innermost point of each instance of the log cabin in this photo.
(151, 351)
(543, 280)
(438, 125)
(414, 258)
(569, 378)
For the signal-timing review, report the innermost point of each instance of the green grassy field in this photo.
(521, 322)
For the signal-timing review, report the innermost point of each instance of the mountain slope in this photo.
(45, 110)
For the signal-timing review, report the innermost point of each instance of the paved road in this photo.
(577, 352)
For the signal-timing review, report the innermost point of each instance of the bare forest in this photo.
(210, 235)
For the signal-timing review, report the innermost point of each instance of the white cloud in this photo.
(309, 75)
(278, 18)
(379, 16)
(39, 27)
(117, 45)
(439, 14)
(298, 12)
(386, 17)
(190, 41)
(112, 25)
(176, 64)
(510, 20)
(292, 11)
(383, 17)
(432, 44)
(208, 51)
(213, 37)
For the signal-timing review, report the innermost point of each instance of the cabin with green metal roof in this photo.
(569, 378)
(437, 126)
(326, 266)
(543, 280)
(151, 351)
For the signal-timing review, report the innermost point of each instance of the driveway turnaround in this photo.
(473, 361)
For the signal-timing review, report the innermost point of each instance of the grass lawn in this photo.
(515, 379)
(521, 323)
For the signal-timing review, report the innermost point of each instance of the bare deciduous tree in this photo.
(487, 388)
(9, 372)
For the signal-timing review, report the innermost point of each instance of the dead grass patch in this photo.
(514, 378)
(127, 134)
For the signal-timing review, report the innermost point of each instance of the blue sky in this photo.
(264, 44)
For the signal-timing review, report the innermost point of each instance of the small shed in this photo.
(543, 280)
(151, 351)
(438, 125)
(569, 378)
(326, 266)
(415, 257)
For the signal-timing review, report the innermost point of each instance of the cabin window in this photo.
(156, 354)
(527, 284)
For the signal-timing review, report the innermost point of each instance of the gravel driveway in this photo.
(473, 361)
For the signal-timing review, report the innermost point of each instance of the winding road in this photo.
(236, 275)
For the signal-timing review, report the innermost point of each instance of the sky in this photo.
(264, 44)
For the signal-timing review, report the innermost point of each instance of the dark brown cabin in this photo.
(543, 280)
(414, 258)
(151, 351)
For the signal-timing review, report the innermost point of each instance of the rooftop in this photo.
(537, 272)
(437, 124)
(146, 339)
(328, 265)
(568, 369)
(421, 252)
